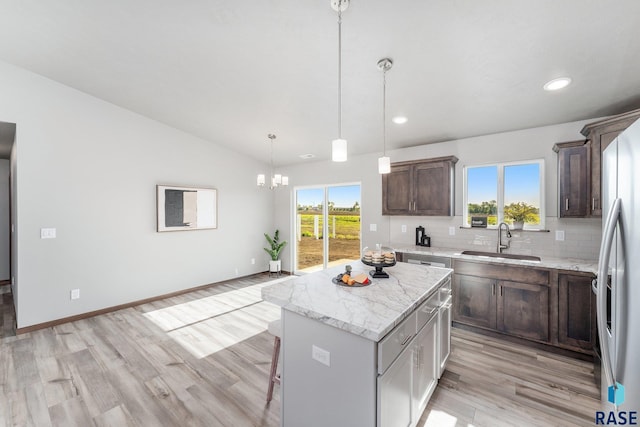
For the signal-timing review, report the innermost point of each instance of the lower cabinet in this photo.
(444, 335)
(425, 368)
(577, 311)
(474, 301)
(406, 386)
(523, 310)
(555, 307)
(515, 307)
(395, 394)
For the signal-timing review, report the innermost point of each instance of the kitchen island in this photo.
(360, 356)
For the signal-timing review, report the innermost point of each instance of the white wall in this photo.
(5, 169)
(582, 235)
(89, 169)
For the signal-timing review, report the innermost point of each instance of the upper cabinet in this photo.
(600, 134)
(421, 187)
(574, 178)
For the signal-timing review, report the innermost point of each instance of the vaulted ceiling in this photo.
(233, 71)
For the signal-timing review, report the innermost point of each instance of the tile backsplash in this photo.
(581, 236)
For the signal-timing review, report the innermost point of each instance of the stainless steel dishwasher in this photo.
(423, 259)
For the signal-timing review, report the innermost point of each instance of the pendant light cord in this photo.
(340, 69)
(384, 112)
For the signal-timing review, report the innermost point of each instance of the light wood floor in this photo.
(202, 359)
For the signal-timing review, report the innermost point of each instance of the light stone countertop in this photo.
(570, 264)
(370, 311)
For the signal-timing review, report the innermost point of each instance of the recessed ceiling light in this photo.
(558, 83)
(307, 156)
(399, 120)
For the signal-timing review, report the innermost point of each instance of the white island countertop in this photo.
(369, 311)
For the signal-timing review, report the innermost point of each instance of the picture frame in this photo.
(186, 208)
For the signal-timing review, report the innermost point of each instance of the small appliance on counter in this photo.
(421, 237)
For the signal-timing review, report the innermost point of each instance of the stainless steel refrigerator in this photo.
(618, 284)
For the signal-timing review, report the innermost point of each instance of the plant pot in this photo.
(517, 225)
(275, 266)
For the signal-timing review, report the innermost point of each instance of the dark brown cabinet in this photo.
(421, 187)
(506, 299)
(474, 301)
(574, 174)
(577, 311)
(601, 134)
(523, 310)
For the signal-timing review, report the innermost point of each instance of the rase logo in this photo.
(615, 395)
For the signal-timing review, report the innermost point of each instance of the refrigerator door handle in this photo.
(601, 299)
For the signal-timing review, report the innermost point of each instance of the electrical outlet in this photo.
(321, 355)
(237, 272)
(47, 233)
(75, 293)
(560, 235)
(373, 227)
(404, 228)
(253, 261)
(452, 231)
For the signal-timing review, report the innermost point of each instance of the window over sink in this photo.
(511, 192)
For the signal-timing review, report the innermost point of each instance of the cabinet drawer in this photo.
(397, 340)
(427, 310)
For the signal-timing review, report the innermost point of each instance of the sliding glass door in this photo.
(327, 226)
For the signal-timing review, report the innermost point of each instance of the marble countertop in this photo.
(370, 311)
(570, 264)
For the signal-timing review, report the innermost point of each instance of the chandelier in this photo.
(276, 179)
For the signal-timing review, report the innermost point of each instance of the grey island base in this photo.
(366, 356)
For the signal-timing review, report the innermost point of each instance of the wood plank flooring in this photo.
(202, 359)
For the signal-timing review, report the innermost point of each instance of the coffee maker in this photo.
(421, 238)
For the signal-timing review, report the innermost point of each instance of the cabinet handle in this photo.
(593, 203)
(406, 340)
(566, 204)
(500, 290)
(493, 289)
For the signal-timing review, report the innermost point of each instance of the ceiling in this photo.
(233, 71)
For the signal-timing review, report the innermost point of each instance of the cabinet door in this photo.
(444, 336)
(425, 370)
(573, 176)
(396, 191)
(394, 392)
(523, 310)
(474, 301)
(601, 134)
(432, 193)
(576, 311)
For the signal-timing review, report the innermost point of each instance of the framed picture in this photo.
(186, 208)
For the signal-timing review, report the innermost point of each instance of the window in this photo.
(505, 192)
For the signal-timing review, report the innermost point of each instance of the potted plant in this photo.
(519, 213)
(276, 246)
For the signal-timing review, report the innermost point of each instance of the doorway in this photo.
(327, 226)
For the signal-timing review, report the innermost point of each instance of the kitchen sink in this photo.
(506, 256)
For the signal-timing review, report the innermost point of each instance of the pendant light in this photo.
(339, 146)
(384, 162)
(275, 179)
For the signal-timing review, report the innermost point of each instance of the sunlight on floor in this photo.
(441, 419)
(211, 324)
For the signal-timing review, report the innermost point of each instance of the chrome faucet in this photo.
(502, 246)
